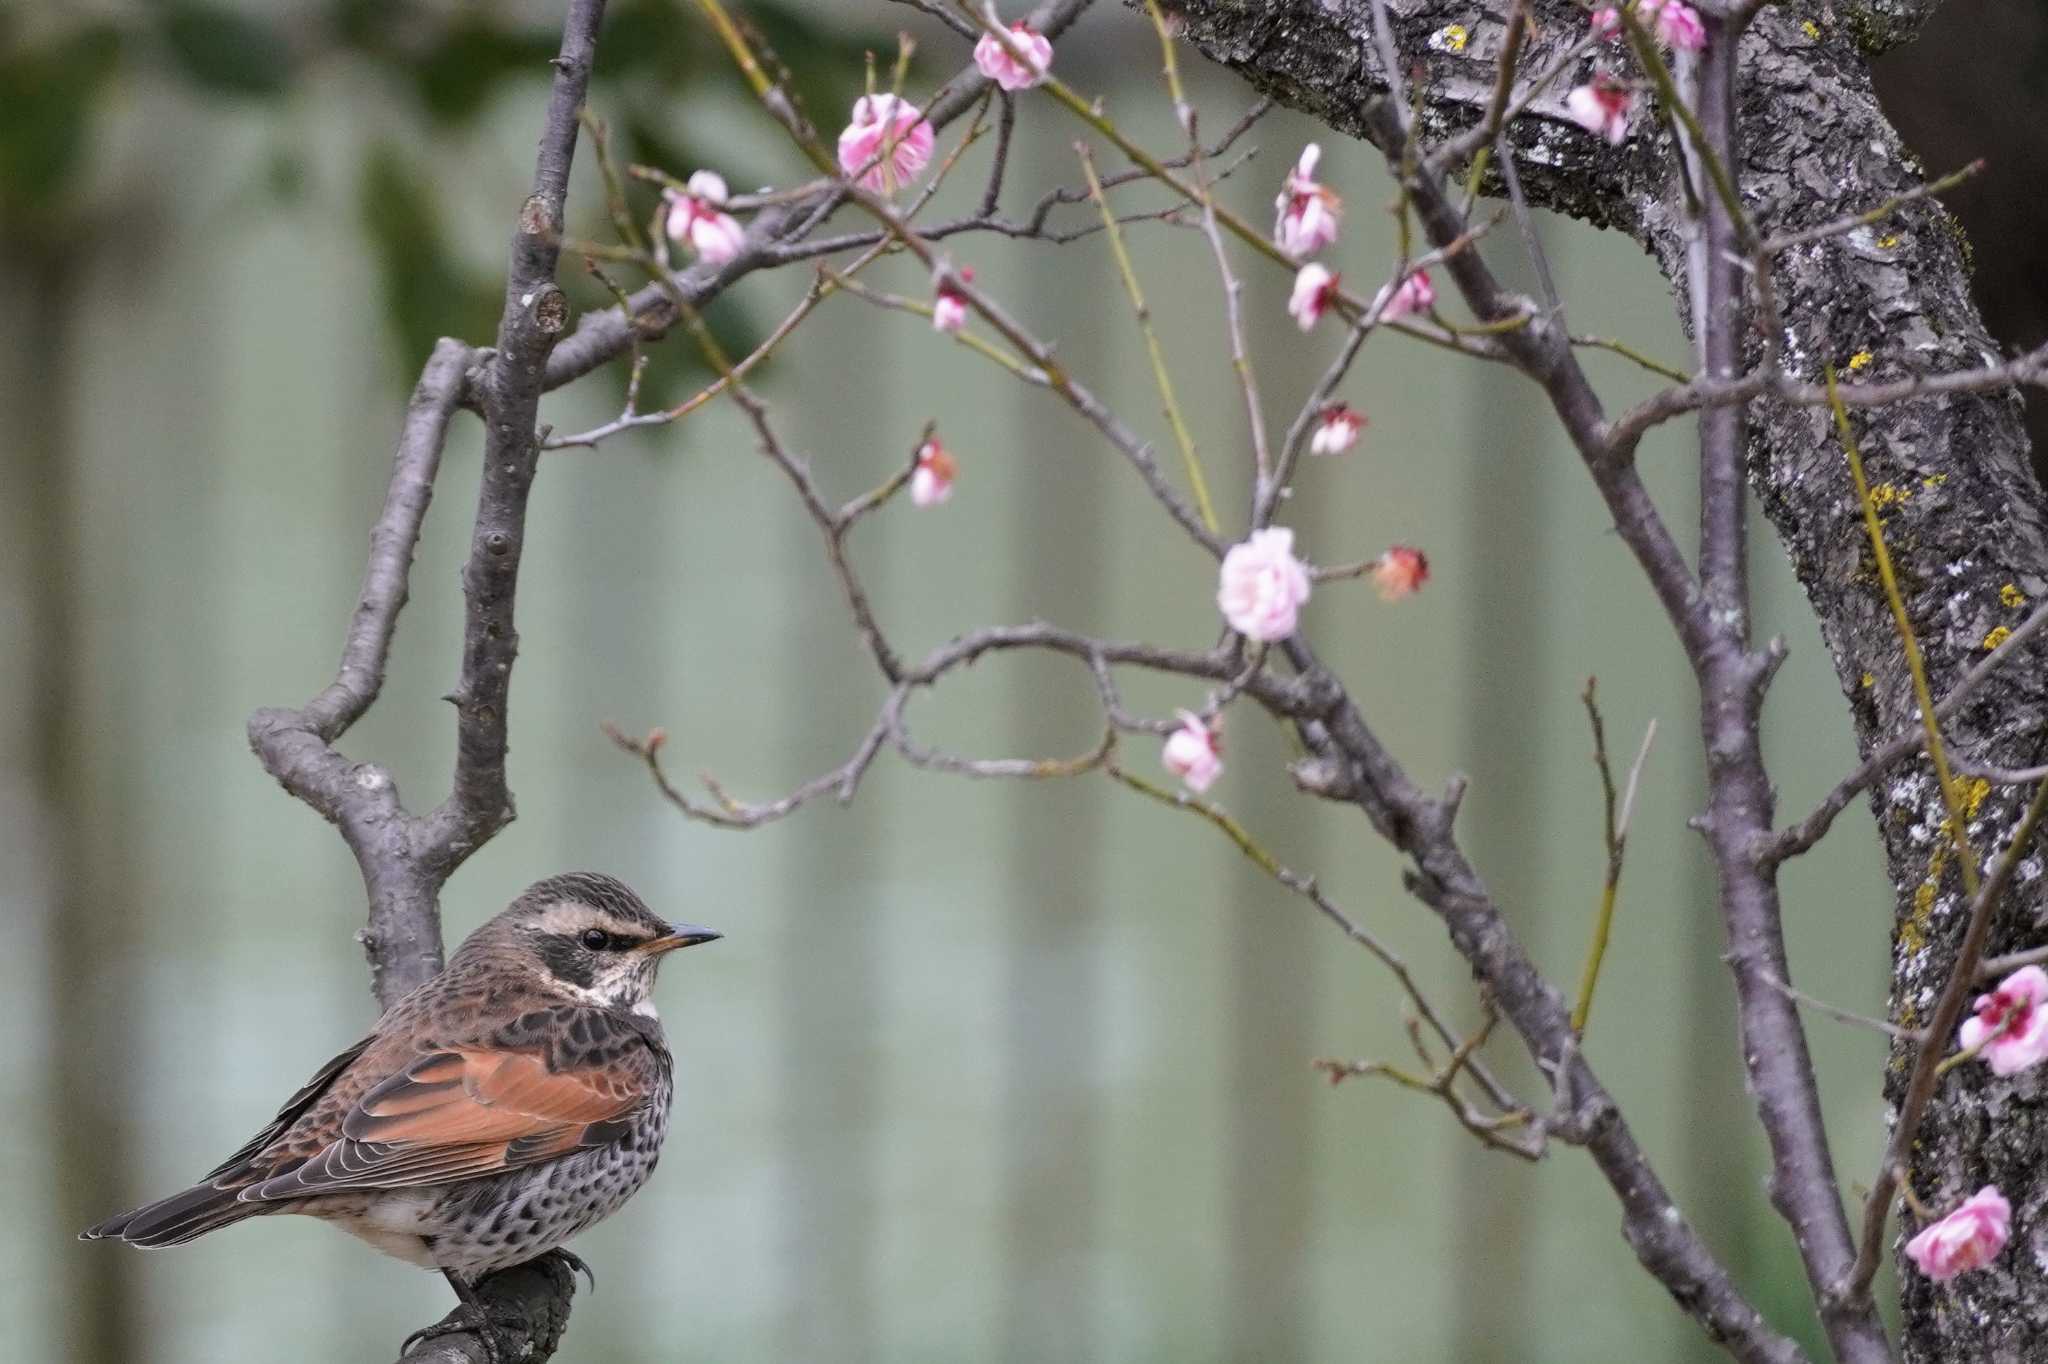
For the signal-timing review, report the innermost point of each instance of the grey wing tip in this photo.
(109, 1230)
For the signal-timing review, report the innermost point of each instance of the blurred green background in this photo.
(982, 1071)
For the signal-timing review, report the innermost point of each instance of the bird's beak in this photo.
(681, 935)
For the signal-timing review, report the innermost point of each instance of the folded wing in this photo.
(542, 1088)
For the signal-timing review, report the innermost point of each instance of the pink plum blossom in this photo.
(1968, 1238)
(1194, 752)
(949, 307)
(1602, 108)
(931, 482)
(1307, 212)
(1337, 428)
(996, 61)
(891, 138)
(1414, 294)
(697, 220)
(1677, 25)
(1315, 289)
(1400, 572)
(1263, 585)
(2010, 1024)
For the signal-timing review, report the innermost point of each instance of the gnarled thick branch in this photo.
(405, 858)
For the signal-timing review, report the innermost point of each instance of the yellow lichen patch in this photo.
(1973, 797)
(1869, 681)
(1998, 637)
(1913, 932)
(1450, 38)
(1888, 241)
(1888, 495)
(1810, 29)
(2011, 595)
(1934, 480)
(1861, 360)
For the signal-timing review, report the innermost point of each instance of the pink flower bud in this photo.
(1400, 572)
(1307, 212)
(1315, 289)
(1337, 428)
(1968, 1238)
(949, 307)
(1194, 752)
(696, 219)
(1607, 22)
(1263, 585)
(889, 137)
(932, 481)
(1602, 108)
(2010, 1023)
(1414, 294)
(995, 60)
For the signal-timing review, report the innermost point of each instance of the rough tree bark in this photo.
(1965, 516)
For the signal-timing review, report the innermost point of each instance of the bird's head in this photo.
(589, 938)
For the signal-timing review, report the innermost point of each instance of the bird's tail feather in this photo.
(175, 1220)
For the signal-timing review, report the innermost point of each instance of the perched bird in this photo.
(493, 1113)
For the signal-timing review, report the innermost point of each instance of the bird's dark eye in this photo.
(596, 939)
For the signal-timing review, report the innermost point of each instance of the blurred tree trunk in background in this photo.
(2000, 113)
(80, 851)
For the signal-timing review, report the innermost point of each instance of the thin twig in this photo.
(1182, 437)
(1307, 888)
(1615, 824)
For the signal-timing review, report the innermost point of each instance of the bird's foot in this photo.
(470, 1319)
(574, 1264)
(472, 1316)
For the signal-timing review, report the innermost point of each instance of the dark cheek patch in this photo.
(567, 960)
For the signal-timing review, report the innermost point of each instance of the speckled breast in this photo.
(488, 1224)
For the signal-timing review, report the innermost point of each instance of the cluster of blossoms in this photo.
(1603, 105)
(2008, 1028)
(1262, 586)
(888, 143)
(1307, 216)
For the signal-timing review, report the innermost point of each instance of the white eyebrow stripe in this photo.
(569, 917)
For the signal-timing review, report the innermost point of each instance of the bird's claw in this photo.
(467, 1319)
(574, 1264)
